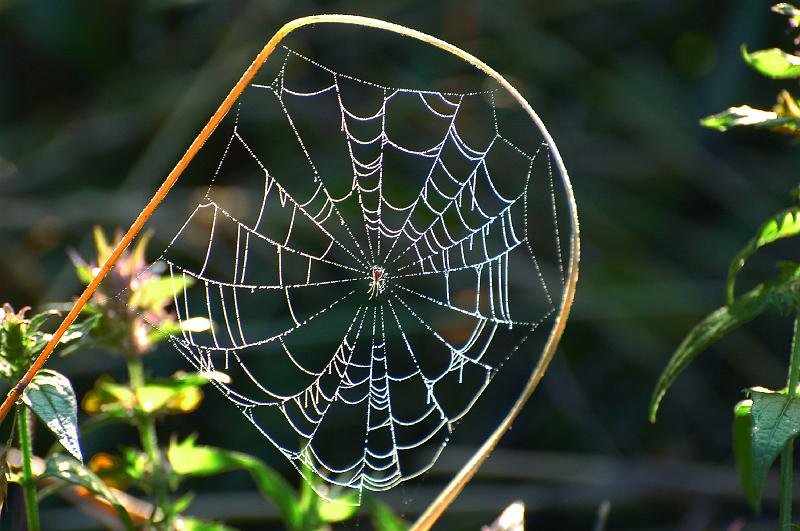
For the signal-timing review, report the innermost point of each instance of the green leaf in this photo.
(383, 517)
(109, 398)
(194, 524)
(746, 116)
(39, 319)
(784, 224)
(138, 254)
(182, 503)
(75, 336)
(308, 504)
(84, 273)
(155, 291)
(179, 394)
(101, 244)
(789, 11)
(776, 420)
(716, 325)
(171, 327)
(80, 329)
(153, 398)
(188, 459)
(130, 466)
(67, 469)
(63, 467)
(338, 505)
(338, 510)
(773, 62)
(51, 397)
(195, 324)
(200, 378)
(743, 451)
(786, 9)
(135, 464)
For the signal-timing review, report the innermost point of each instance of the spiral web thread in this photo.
(359, 372)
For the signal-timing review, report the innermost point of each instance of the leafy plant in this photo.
(49, 396)
(128, 317)
(767, 422)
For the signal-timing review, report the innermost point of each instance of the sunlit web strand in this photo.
(359, 371)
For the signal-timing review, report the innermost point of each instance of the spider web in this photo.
(399, 369)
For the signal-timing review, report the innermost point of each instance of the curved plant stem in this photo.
(146, 426)
(787, 456)
(28, 480)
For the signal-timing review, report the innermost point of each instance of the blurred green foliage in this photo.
(767, 423)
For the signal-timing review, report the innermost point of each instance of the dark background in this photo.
(98, 100)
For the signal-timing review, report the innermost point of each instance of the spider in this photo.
(378, 282)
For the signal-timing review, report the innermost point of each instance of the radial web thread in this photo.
(446, 252)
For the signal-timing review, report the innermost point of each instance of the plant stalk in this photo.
(794, 361)
(146, 426)
(28, 480)
(787, 456)
(787, 468)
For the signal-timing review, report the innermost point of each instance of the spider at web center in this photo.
(377, 281)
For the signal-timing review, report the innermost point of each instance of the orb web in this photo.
(376, 284)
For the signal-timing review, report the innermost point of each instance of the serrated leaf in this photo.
(67, 469)
(743, 451)
(188, 459)
(784, 224)
(716, 325)
(51, 397)
(776, 421)
(773, 62)
(746, 116)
